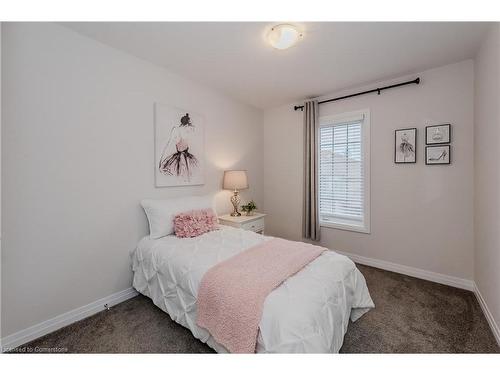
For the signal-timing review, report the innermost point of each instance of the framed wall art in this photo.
(179, 147)
(437, 134)
(435, 155)
(405, 146)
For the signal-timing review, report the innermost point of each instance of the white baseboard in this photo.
(411, 271)
(487, 314)
(51, 325)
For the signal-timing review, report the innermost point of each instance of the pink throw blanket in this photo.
(232, 293)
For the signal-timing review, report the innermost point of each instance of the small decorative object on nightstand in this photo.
(235, 180)
(255, 223)
(249, 208)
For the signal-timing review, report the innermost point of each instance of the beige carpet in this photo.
(411, 316)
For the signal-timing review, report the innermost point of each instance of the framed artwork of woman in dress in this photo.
(405, 146)
(179, 147)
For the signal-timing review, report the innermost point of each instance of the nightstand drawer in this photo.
(255, 225)
(255, 222)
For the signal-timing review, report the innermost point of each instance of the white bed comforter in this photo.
(308, 313)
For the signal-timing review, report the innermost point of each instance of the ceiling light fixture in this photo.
(283, 36)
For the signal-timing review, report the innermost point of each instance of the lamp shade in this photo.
(235, 180)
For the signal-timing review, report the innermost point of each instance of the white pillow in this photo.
(161, 213)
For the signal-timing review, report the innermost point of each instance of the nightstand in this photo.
(255, 223)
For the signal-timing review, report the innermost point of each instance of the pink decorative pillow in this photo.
(193, 223)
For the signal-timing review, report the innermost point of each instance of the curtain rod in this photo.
(377, 90)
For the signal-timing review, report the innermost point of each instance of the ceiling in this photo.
(235, 58)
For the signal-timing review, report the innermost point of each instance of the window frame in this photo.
(337, 119)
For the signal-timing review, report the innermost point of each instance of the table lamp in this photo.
(236, 181)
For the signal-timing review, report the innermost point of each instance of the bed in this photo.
(308, 313)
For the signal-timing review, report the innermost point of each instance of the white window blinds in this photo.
(342, 181)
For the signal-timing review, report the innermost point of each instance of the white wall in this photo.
(421, 216)
(77, 157)
(0, 179)
(487, 172)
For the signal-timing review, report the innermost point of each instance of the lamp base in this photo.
(235, 200)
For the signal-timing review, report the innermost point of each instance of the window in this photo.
(344, 171)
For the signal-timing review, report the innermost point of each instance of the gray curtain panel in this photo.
(310, 221)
